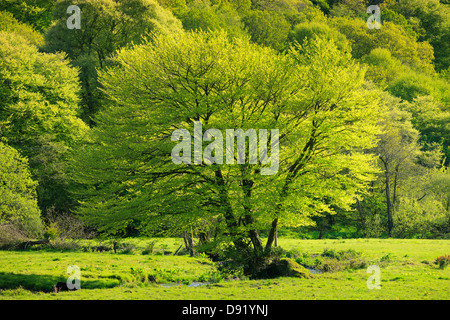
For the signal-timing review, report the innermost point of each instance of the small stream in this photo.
(314, 271)
(199, 283)
(192, 284)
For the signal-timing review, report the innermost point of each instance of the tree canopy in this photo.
(18, 203)
(130, 121)
(204, 77)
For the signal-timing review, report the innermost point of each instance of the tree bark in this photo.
(248, 218)
(271, 236)
(230, 220)
(389, 205)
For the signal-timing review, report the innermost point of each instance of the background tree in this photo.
(18, 205)
(267, 28)
(105, 27)
(417, 55)
(309, 30)
(9, 24)
(36, 13)
(402, 159)
(201, 15)
(129, 175)
(384, 69)
(433, 17)
(423, 208)
(397, 149)
(38, 113)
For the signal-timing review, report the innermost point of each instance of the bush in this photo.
(341, 255)
(11, 235)
(331, 265)
(62, 245)
(149, 248)
(18, 200)
(242, 262)
(332, 260)
(128, 249)
(306, 260)
(69, 226)
(293, 254)
(51, 232)
(443, 261)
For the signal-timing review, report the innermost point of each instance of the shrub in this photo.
(293, 254)
(212, 277)
(128, 249)
(69, 226)
(306, 260)
(443, 261)
(140, 275)
(18, 199)
(62, 245)
(332, 260)
(149, 248)
(341, 255)
(331, 265)
(51, 232)
(11, 235)
(385, 258)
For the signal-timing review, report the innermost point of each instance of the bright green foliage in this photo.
(9, 24)
(176, 6)
(38, 111)
(406, 170)
(106, 26)
(424, 207)
(433, 18)
(418, 55)
(290, 9)
(383, 67)
(311, 29)
(38, 93)
(131, 180)
(242, 6)
(203, 16)
(349, 8)
(267, 28)
(36, 13)
(235, 68)
(411, 85)
(432, 119)
(18, 203)
(411, 25)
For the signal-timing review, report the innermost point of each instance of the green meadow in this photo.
(407, 271)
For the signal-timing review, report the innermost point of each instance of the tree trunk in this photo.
(389, 205)
(394, 198)
(271, 236)
(188, 242)
(276, 238)
(248, 219)
(230, 220)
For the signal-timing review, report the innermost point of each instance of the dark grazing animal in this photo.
(62, 286)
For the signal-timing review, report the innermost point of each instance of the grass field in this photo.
(407, 272)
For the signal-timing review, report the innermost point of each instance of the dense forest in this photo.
(87, 115)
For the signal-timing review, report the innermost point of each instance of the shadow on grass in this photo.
(45, 283)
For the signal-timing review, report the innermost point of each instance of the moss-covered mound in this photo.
(284, 268)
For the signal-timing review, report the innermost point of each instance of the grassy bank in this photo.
(407, 272)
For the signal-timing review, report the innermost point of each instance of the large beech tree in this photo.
(313, 95)
(38, 114)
